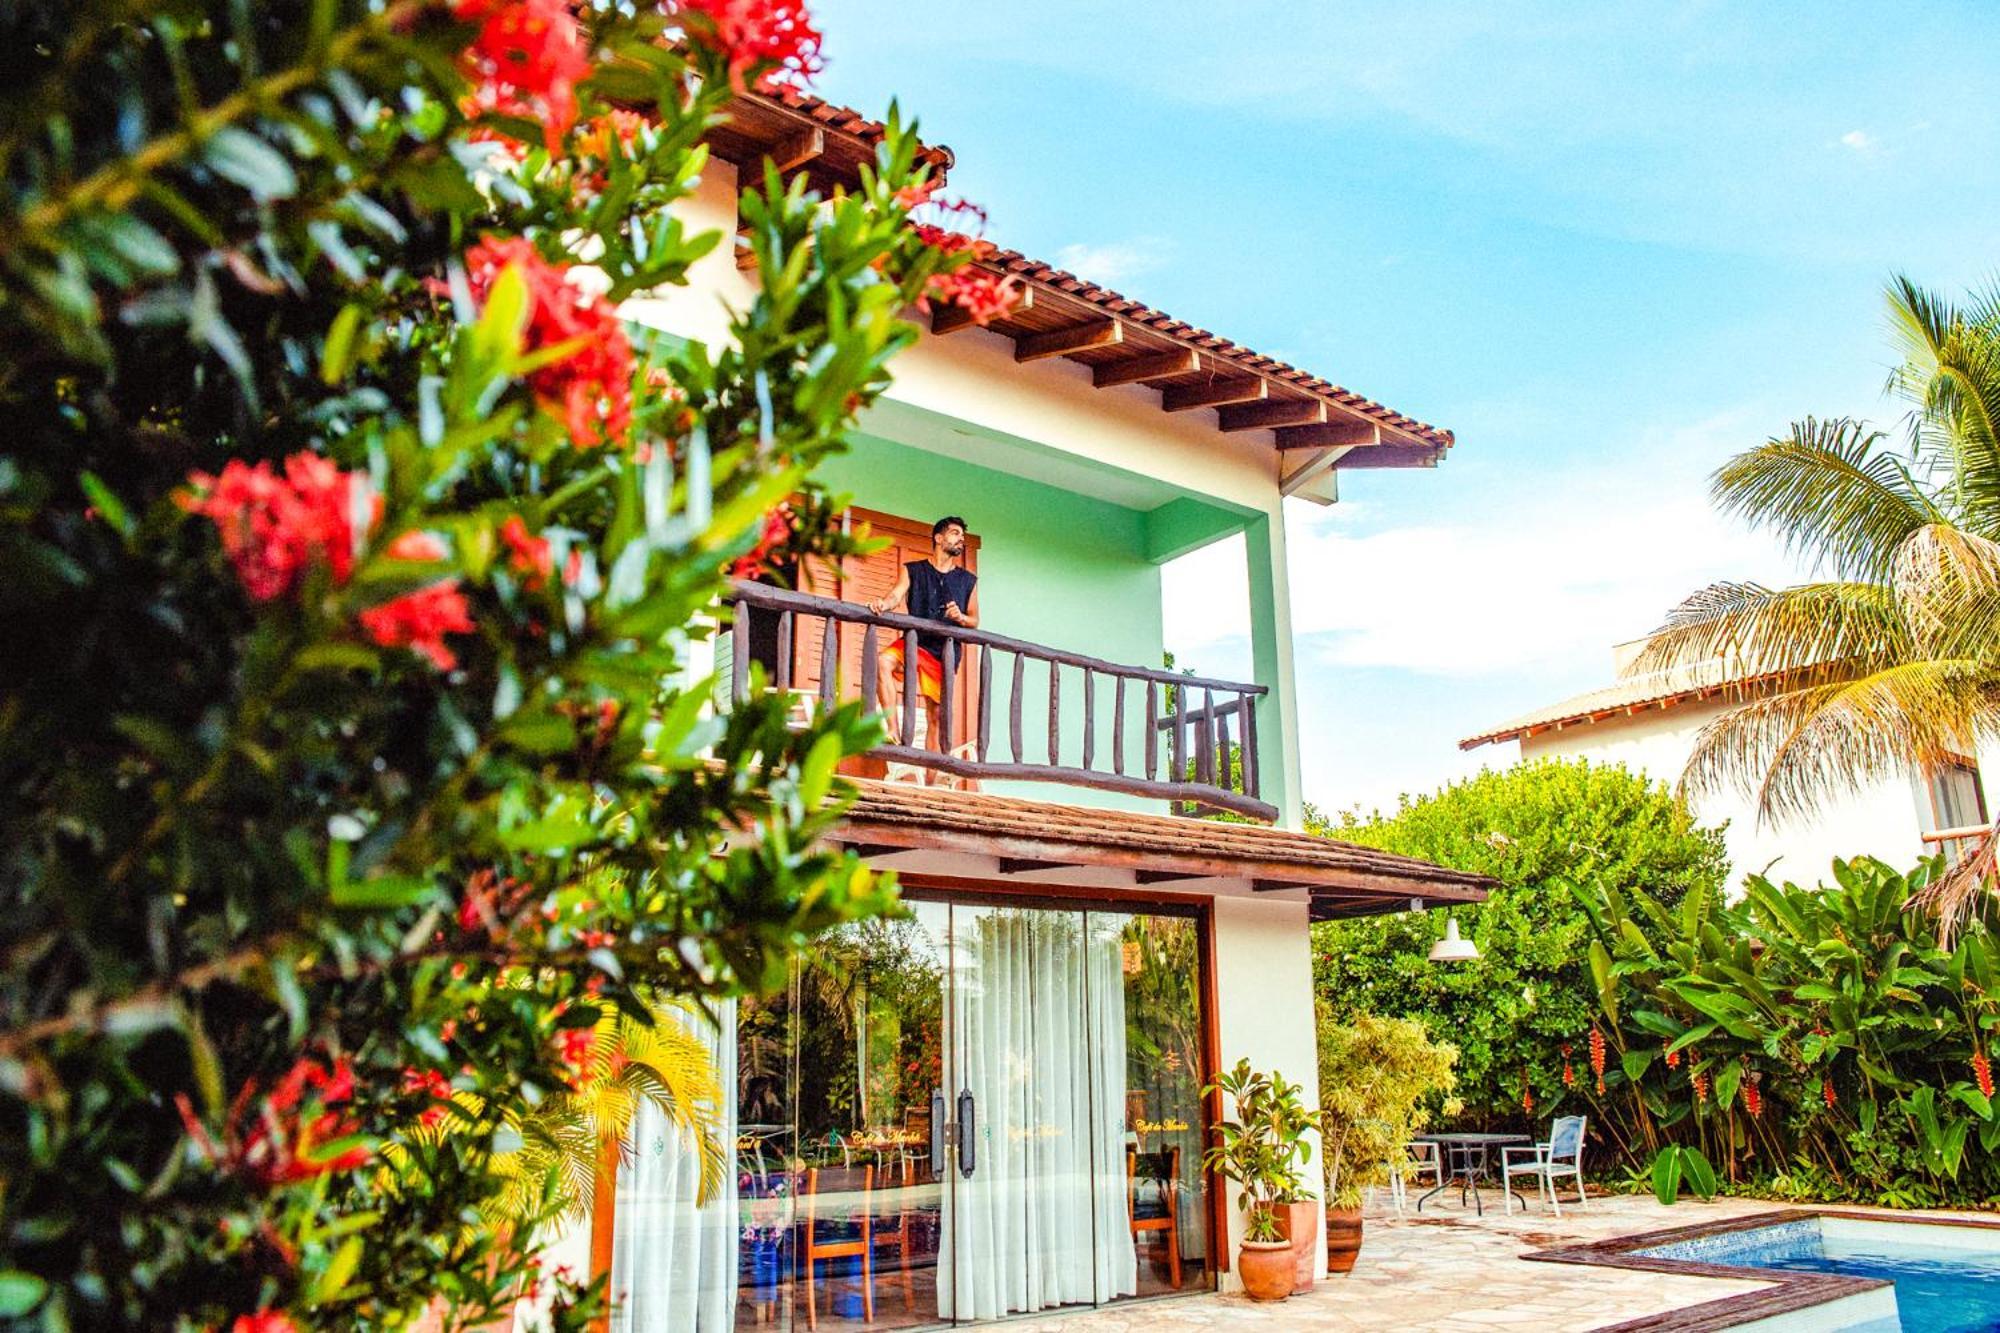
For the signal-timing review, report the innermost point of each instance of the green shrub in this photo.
(1537, 828)
(1375, 1076)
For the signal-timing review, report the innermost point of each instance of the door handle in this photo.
(968, 1150)
(940, 1135)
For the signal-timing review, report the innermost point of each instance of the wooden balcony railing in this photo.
(1207, 728)
(1958, 842)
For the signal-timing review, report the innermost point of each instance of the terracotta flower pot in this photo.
(1343, 1238)
(1299, 1224)
(1266, 1269)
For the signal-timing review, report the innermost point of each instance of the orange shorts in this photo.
(930, 671)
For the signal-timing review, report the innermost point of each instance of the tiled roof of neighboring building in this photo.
(1342, 878)
(1637, 693)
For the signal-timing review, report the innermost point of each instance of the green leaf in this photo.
(20, 1292)
(816, 775)
(105, 500)
(240, 156)
(1667, 1175)
(1699, 1174)
(336, 358)
(338, 1270)
(382, 892)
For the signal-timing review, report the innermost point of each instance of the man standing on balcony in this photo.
(940, 588)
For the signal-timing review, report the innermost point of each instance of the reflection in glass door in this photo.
(979, 1110)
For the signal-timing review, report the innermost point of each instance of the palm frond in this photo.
(1956, 896)
(1832, 495)
(1748, 629)
(1947, 589)
(1797, 749)
(1950, 372)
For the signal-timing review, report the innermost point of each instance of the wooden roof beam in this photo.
(1330, 435)
(1075, 338)
(1216, 393)
(1272, 412)
(1141, 369)
(1394, 455)
(947, 318)
(797, 150)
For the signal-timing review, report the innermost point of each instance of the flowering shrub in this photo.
(355, 552)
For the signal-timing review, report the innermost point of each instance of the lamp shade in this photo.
(1453, 948)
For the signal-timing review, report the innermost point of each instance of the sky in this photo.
(1608, 245)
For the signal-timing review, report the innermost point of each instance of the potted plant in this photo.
(1263, 1148)
(1376, 1077)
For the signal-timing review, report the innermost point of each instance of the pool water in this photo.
(1947, 1279)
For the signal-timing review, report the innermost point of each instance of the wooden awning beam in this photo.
(1075, 338)
(1331, 435)
(948, 318)
(1216, 393)
(1272, 412)
(1141, 369)
(1394, 455)
(797, 150)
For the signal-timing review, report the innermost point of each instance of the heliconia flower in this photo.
(1982, 1069)
(527, 59)
(1569, 1075)
(1700, 1082)
(1753, 1097)
(264, 1321)
(592, 386)
(1597, 1056)
(1827, 1094)
(419, 621)
(1673, 1056)
(275, 527)
(777, 36)
(1527, 1094)
(528, 556)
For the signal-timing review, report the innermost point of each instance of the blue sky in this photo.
(1607, 244)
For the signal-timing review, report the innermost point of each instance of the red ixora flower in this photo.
(777, 36)
(264, 1321)
(419, 621)
(429, 1082)
(293, 1133)
(527, 59)
(592, 386)
(274, 527)
(777, 531)
(528, 556)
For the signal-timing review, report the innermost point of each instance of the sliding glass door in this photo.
(984, 1109)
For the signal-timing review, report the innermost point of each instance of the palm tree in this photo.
(1890, 659)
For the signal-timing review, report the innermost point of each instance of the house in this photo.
(993, 1106)
(1649, 721)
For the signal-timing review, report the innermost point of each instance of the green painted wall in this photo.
(1055, 568)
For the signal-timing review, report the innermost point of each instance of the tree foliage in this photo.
(1538, 829)
(355, 554)
(1377, 1080)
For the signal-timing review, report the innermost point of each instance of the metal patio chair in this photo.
(1561, 1156)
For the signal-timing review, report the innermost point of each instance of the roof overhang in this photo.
(1316, 426)
(1024, 844)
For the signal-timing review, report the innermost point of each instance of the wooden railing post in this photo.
(947, 697)
(1118, 727)
(985, 701)
(784, 650)
(908, 736)
(1152, 729)
(829, 663)
(871, 670)
(1089, 718)
(1055, 712)
(739, 646)
(1014, 708)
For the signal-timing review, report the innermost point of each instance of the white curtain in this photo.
(1038, 1017)
(673, 1261)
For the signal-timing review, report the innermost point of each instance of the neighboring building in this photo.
(1649, 721)
(1007, 1082)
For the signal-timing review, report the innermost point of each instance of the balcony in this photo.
(1186, 740)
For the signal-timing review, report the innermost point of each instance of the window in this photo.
(1957, 801)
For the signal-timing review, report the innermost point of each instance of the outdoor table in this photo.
(1466, 1162)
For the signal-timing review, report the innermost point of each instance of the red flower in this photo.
(1982, 1069)
(1827, 1094)
(431, 1083)
(419, 621)
(264, 1321)
(528, 556)
(274, 528)
(527, 58)
(592, 386)
(1753, 1097)
(1569, 1075)
(291, 1136)
(777, 531)
(776, 36)
(1673, 1056)
(1597, 1052)
(1700, 1082)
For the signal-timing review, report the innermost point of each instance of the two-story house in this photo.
(992, 1107)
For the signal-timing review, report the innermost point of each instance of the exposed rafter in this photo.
(797, 150)
(948, 318)
(1075, 338)
(1216, 393)
(1393, 455)
(1142, 369)
(1332, 435)
(1272, 412)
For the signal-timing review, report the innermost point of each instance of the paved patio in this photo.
(1454, 1270)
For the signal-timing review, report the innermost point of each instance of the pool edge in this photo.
(1786, 1293)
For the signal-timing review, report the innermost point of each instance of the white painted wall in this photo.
(1885, 821)
(1263, 987)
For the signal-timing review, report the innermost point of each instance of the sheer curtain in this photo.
(673, 1261)
(1038, 1023)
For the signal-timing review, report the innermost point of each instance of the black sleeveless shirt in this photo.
(930, 589)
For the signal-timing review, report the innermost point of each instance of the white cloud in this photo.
(1538, 579)
(1116, 261)
(1861, 141)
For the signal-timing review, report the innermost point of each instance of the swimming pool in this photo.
(1946, 1278)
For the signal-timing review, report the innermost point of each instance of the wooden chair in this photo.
(859, 1243)
(1167, 1216)
(902, 1238)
